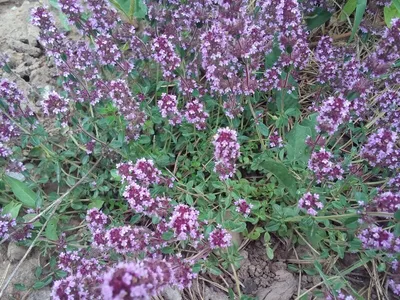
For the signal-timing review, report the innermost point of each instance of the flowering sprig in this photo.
(226, 152)
(310, 203)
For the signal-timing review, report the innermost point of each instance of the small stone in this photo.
(210, 294)
(15, 252)
(282, 288)
(170, 294)
(42, 294)
(250, 286)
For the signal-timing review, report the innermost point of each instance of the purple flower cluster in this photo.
(275, 140)
(108, 52)
(143, 172)
(164, 54)
(387, 52)
(128, 239)
(10, 230)
(389, 104)
(324, 167)
(232, 107)
(226, 152)
(13, 98)
(50, 37)
(15, 108)
(340, 295)
(168, 105)
(332, 113)
(141, 280)
(196, 114)
(386, 202)
(5, 151)
(219, 238)
(310, 5)
(310, 203)
(6, 224)
(83, 280)
(54, 105)
(184, 222)
(103, 16)
(243, 207)
(72, 9)
(127, 107)
(96, 219)
(377, 238)
(381, 150)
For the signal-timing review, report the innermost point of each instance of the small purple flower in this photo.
(164, 54)
(184, 222)
(90, 147)
(386, 202)
(219, 238)
(96, 219)
(232, 107)
(145, 172)
(107, 50)
(381, 149)
(68, 288)
(310, 203)
(4, 150)
(22, 233)
(243, 207)
(376, 238)
(226, 152)
(53, 104)
(168, 105)
(333, 112)
(72, 9)
(394, 286)
(324, 167)
(138, 197)
(195, 114)
(275, 140)
(6, 224)
(127, 239)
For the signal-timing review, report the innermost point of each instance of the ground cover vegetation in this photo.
(176, 125)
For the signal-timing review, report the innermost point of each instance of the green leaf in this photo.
(263, 129)
(131, 8)
(282, 173)
(40, 284)
(348, 9)
(396, 3)
(255, 234)
(51, 229)
(390, 13)
(270, 253)
(397, 215)
(96, 203)
(297, 143)
(360, 10)
(140, 9)
(23, 192)
(319, 17)
(12, 208)
(167, 235)
(273, 56)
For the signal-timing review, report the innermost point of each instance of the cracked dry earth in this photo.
(261, 278)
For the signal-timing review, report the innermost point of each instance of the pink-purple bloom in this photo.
(219, 238)
(310, 203)
(243, 207)
(324, 167)
(184, 222)
(226, 152)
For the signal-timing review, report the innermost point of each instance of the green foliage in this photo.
(360, 10)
